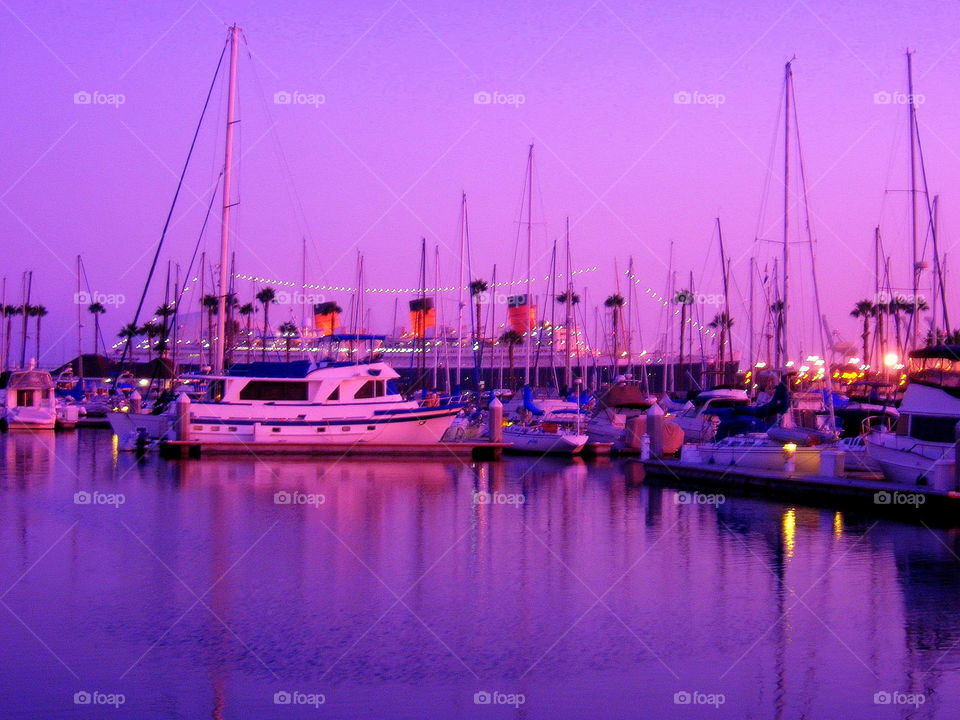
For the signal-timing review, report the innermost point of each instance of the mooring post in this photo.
(655, 421)
(956, 456)
(136, 402)
(183, 417)
(495, 420)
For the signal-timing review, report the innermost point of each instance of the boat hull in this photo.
(421, 427)
(524, 440)
(908, 461)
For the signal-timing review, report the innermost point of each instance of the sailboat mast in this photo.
(787, 89)
(568, 315)
(460, 287)
(223, 289)
(914, 319)
(527, 309)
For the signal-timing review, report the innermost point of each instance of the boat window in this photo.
(273, 390)
(932, 429)
(215, 391)
(370, 389)
(25, 398)
(335, 395)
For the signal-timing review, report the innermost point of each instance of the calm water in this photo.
(383, 587)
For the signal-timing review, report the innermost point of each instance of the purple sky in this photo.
(383, 160)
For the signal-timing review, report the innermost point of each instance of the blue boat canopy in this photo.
(295, 369)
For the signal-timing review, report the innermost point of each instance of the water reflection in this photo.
(400, 587)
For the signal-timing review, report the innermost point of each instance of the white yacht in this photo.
(919, 448)
(302, 403)
(28, 400)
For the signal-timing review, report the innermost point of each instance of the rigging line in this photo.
(293, 195)
(176, 195)
(765, 191)
(519, 215)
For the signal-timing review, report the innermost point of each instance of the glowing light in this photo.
(789, 526)
(790, 448)
(789, 363)
(853, 361)
(891, 359)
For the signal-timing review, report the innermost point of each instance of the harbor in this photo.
(399, 362)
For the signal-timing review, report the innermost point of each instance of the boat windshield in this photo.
(937, 369)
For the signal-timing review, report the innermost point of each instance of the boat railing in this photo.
(876, 423)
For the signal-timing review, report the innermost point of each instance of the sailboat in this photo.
(331, 403)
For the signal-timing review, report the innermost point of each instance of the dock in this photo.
(862, 491)
(480, 450)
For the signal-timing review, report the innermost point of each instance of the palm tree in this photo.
(864, 310)
(9, 312)
(96, 309)
(165, 312)
(512, 339)
(211, 304)
(569, 295)
(246, 311)
(723, 322)
(266, 296)
(288, 330)
(127, 333)
(477, 288)
(39, 312)
(615, 302)
(151, 330)
(683, 298)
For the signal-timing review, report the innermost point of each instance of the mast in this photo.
(222, 288)
(914, 321)
(724, 334)
(527, 323)
(460, 286)
(568, 316)
(79, 323)
(787, 90)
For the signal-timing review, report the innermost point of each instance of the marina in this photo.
(333, 384)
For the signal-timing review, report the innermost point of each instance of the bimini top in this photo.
(940, 352)
(29, 380)
(295, 369)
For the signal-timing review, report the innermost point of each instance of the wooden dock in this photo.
(474, 450)
(866, 492)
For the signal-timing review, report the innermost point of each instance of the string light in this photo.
(395, 290)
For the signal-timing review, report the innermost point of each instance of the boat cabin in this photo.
(304, 382)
